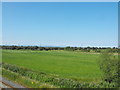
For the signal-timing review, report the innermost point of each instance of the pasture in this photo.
(67, 64)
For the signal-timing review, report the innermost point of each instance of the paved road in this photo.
(4, 83)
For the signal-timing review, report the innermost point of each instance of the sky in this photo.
(60, 24)
(60, 0)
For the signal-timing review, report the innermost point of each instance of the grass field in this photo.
(75, 65)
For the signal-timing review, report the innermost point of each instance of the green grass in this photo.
(24, 81)
(67, 64)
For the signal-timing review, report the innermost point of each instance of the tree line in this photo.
(68, 48)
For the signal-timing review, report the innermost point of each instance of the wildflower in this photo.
(32, 82)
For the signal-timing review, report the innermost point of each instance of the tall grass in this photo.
(48, 79)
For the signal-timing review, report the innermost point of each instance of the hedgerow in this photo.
(53, 79)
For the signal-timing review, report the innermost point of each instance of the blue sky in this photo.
(60, 24)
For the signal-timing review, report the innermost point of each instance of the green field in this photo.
(67, 64)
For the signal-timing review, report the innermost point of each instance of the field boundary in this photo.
(24, 81)
(15, 72)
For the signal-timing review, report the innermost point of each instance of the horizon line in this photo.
(58, 46)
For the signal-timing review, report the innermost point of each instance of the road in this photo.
(4, 83)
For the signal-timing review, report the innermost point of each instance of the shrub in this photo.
(109, 65)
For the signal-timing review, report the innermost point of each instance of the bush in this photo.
(109, 65)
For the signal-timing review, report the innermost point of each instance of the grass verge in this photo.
(24, 81)
(43, 80)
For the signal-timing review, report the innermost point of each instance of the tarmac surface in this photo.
(4, 83)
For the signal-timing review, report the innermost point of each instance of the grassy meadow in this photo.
(67, 64)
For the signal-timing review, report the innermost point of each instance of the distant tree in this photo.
(69, 48)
